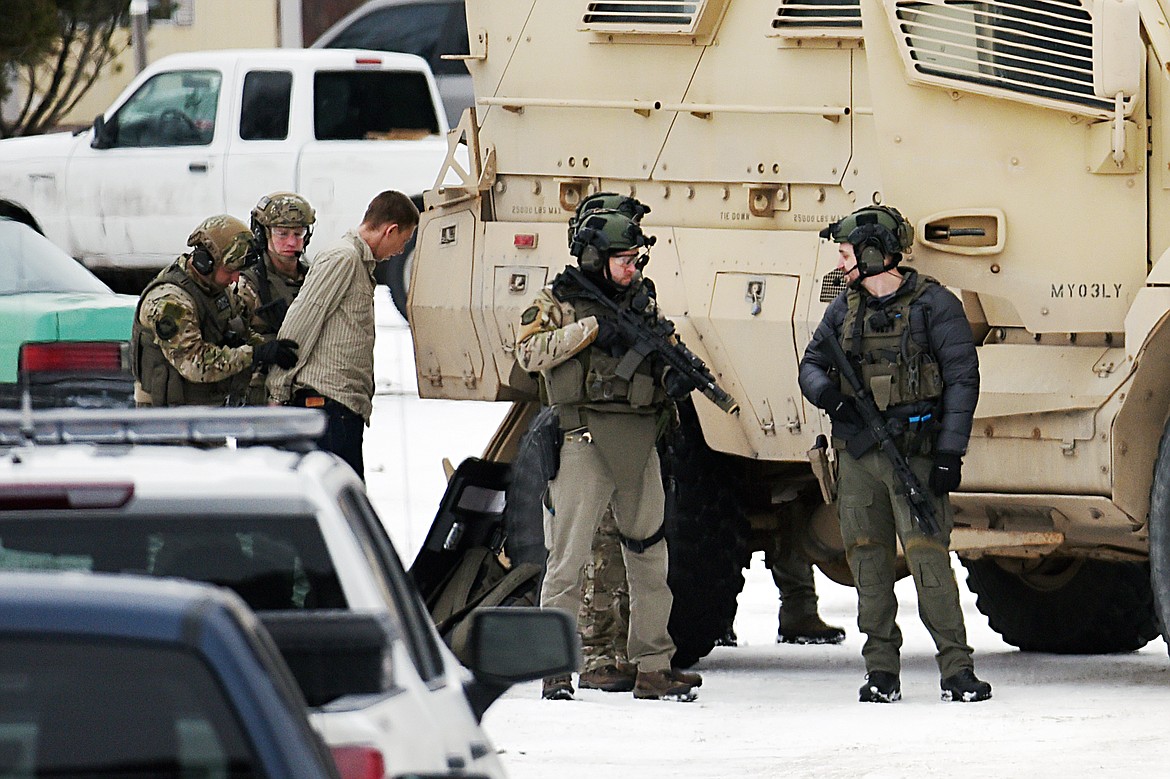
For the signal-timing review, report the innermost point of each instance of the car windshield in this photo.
(29, 262)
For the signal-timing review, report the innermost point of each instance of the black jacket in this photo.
(948, 336)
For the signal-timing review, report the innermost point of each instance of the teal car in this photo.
(64, 335)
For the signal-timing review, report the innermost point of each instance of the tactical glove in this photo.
(840, 407)
(608, 334)
(282, 352)
(946, 473)
(677, 385)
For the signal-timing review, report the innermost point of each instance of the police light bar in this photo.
(293, 428)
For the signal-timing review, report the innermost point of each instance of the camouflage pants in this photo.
(604, 619)
(873, 519)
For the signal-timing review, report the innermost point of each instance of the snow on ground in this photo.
(778, 710)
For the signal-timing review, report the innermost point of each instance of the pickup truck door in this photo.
(153, 171)
(264, 141)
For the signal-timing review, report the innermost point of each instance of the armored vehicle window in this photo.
(373, 105)
(266, 104)
(97, 708)
(428, 30)
(172, 109)
(1040, 48)
(272, 562)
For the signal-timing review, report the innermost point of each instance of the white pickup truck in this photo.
(209, 132)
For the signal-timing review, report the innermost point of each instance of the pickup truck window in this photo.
(176, 108)
(372, 105)
(97, 708)
(266, 104)
(272, 562)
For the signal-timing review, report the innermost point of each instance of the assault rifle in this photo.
(921, 505)
(645, 339)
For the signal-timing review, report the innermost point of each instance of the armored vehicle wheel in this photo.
(708, 531)
(1065, 605)
(1159, 529)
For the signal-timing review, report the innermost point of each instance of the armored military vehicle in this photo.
(1029, 143)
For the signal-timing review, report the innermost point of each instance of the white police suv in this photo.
(241, 498)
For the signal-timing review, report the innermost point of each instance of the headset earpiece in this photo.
(591, 259)
(202, 261)
(871, 260)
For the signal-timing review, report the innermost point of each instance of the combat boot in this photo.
(609, 678)
(690, 677)
(881, 687)
(965, 687)
(557, 688)
(808, 630)
(664, 686)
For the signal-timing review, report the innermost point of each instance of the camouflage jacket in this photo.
(190, 343)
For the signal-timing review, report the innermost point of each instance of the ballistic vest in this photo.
(589, 379)
(219, 323)
(890, 345)
(276, 294)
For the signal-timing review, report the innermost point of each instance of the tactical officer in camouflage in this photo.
(282, 224)
(909, 341)
(608, 457)
(191, 344)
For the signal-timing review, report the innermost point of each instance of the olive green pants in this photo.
(873, 518)
(585, 485)
(604, 619)
(793, 576)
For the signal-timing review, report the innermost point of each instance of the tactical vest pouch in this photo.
(641, 390)
(565, 383)
(882, 389)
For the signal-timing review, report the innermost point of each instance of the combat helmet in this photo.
(220, 240)
(603, 232)
(607, 201)
(281, 209)
(874, 231)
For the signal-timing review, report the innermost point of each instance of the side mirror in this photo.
(514, 644)
(100, 139)
(1117, 48)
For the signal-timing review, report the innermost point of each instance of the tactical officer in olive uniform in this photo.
(190, 340)
(909, 341)
(608, 456)
(282, 224)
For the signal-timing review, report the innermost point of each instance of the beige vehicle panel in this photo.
(946, 149)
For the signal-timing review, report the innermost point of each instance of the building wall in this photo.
(198, 25)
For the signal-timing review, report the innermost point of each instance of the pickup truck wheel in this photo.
(1159, 529)
(1065, 605)
(707, 530)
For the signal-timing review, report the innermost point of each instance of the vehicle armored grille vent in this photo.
(832, 285)
(1035, 50)
(652, 16)
(796, 17)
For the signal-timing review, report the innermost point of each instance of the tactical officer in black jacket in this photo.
(909, 341)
